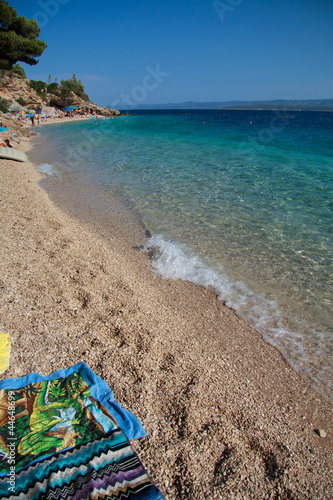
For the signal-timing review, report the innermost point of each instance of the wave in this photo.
(47, 169)
(177, 261)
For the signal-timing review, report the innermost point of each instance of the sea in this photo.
(237, 201)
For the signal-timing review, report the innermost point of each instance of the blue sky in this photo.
(186, 50)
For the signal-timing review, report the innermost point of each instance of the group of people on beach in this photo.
(34, 119)
(38, 118)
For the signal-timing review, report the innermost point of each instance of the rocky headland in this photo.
(17, 95)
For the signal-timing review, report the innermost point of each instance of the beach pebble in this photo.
(321, 432)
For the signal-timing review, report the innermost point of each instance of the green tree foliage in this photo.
(38, 85)
(64, 90)
(18, 71)
(4, 105)
(21, 101)
(73, 85)
(18, 38)
(52, 88)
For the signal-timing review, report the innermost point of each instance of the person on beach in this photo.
(6, 144)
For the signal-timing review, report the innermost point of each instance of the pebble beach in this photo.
(225, 415)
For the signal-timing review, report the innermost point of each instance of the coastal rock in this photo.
(104, 111)
(15, 107)
(49, 111)
(74, 100)
(63, 102)
(321, 433)
(13, 88)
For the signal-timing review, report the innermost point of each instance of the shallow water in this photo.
(237, 201)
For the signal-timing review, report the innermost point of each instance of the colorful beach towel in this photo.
(64, 437)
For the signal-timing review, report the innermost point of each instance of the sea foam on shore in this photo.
(174, 260)
(47, 169)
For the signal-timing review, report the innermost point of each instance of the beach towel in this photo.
(64, 437)
(4, 351)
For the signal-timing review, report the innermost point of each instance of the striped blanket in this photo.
(64, 437)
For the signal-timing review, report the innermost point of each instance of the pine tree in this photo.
(18, 38)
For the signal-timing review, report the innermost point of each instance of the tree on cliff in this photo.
(18, 38)
(73, 85)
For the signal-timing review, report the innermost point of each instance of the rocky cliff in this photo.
(13, 89)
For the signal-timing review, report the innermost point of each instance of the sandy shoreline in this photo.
(226, 417)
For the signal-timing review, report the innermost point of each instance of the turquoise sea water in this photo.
(238, 201)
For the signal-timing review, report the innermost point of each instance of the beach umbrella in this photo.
(71, 108)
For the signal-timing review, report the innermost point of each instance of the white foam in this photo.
(174, 260)
(47, 169)
(177, 261)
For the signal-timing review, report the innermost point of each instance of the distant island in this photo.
(292, 105)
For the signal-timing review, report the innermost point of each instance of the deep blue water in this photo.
(238, 201)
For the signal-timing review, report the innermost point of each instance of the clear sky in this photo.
(161, 51)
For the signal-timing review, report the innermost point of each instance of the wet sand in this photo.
(226, 417)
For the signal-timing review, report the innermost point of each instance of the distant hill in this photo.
(293, 105)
